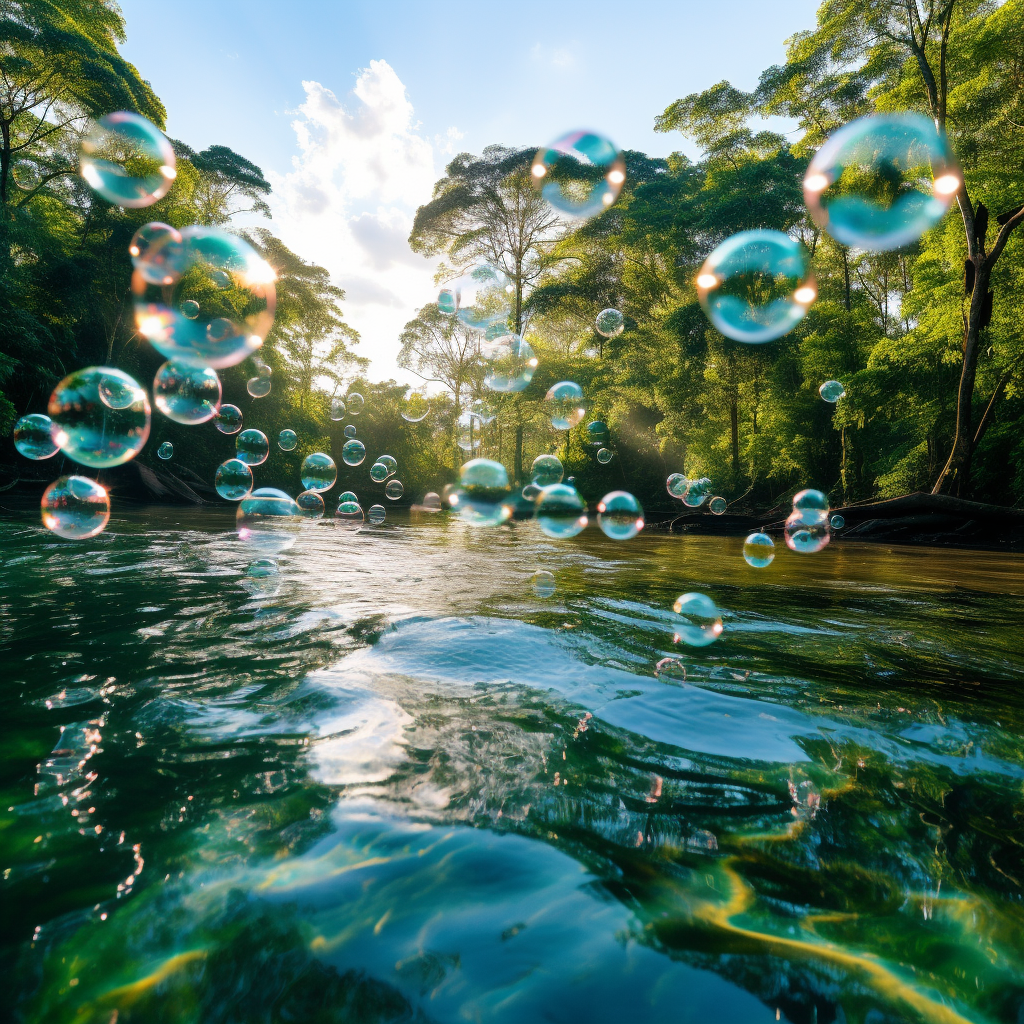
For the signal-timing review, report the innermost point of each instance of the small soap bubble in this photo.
(670, 669)
(75, 507)
(543, 584)
(759, 550)
(718, 505)
(337, 408)
(676, 485)
(355, 403)
(609, 323)
(33, 436)
(165, 451)
(807, 532)
(571, 481)
(696, 492)
(127, 160)
(837, 522)
(268, 519)
(157, 253)
(116, 392)
(189, 309)
(89, 431)
(347, 496)
(468, 431)
(377, 514)
(431, 502)
(481, 498)
(233, 480)
(810, 500)
(832, 391)
(262, 578)
(580, 174)
(565, 404)
(756, 286)
(353, 452)
(597, 434)
(390, 463)
(417, 405)
(349, 516)
(560, 511)
(378, 472)
(350, 430)
(394, 490)
(880, 182)
(287, 440)
(604, 456)
(187, 393)
(546, 470)
(620, 515)
(699, 623)
(228, 419)
(318, 472)
(220, 279)
(531, 492)
(258, 386)
(311, 504)
(483, 410)
(508, 363)
(252, 447)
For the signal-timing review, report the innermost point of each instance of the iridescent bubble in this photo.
(832, 391)
(696, 492)
(810, 500)
(394, 490)
(353, 452)
(597, 434)
(580, 174)
(268, 519)
(483, 410)
(881, 181)
(165, 451)
(481, 499)
(318, 472)
(350, 430)
(228, 419)
(355, 403)
(311, 504)
(837, 522)
(560, 511)
(431, 502)
(89, 431)
(756, 286)
(543, 584)
(390, 463)
(190, 309)
(378, 472)
(33, 436)
(158, 253)
(531, 492)
(337, 409)
(565, 404)
(699, 623)
(75, 507)
(347, 496)
(233, 480)
(672, 669)
(718, 505)
(604, 456)
(807, 532)
(508, 363)
(349, 516)
(468, 428)
(220, 279)
(377, 514)
(676, 485)
(571, 481)
(546, 470)
(117, 393)
(759, 550)
(262, 578)
(127, 160)
(252, 447)
(417, 405)
(609, 323)
(480, 298)
(287, 440)
(258, 386)
(187, 393)
(620, 515)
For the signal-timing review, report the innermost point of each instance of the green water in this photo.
(394, 785)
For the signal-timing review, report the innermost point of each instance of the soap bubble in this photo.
(620, 515)
(508, 363)
(597, 434)
(394, 489)
(337, 409)
(127, 160)
(565, 404)
(480, 298)
(258, 386)
(349, 516)
(165, 451)
(33, 436)
(75, 507)
(759, 550)
(700, 622)
(670, 668)
(543, 583)
(807, 531)
(189, 309)
(318, 472)
(417, 405)
(268, 519)
(377, 514)
(233, 480)
(547, 469)
(158, 254)
(468, 429)
(262, 578)
(350, 430)
(676, 485)
(118, 393)
(311, 504)
(347, 496)
(571, 481)
(186, 393)
(432, 501)
(837, 522)
(379, 472)
(390, 463)
(483, 410)
(287, 440)
(604, 456)
(482, 494)
(609, 323)
(355, 403)
(560, 511)
(810, 500)
(756, 286)
(696, 492)
(89, 431)
(228, 419)
(252, 447)
(832, 391)
(718, 505)
(531, 492)
(353, 452)
(881, 181)
(580, 174)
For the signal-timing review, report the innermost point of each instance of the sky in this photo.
(352, 109)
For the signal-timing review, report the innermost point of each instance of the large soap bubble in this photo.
(546, 470)
(233, 480)
(75, 507)
(287, 440)
(431, 502)
(597, 434)
(87, 430)
(355, 403)
(353, 452)
(620, 515)
(349, 516)
(699, 623)
(127, 160)
(234, 289)
(158, 254)
(33, 436)
(759, 550)
(676, 485)
(565, 404)
(417, 405)
(186, 393)
(318, 472)
(480, 298)
(696, 492)
(259, 386)
(560, 511)
(229, 419)
(165, 451)
(580, 174)
(609, 323)
(832, 391)
(508, 363)
(252, 447)
(481, 498)
(807, 532)
(268, 519)
(881, 181)
(756, 286)
(311, 504)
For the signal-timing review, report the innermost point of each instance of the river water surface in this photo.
(392, 784)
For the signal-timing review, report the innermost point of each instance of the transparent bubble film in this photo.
(75, 507)
(580, 174)
(127, 160)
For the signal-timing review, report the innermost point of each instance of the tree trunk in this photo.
(517, 465)
(734, 416)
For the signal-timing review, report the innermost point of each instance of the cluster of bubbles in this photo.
(807, 529)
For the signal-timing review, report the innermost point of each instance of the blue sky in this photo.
(275, 82)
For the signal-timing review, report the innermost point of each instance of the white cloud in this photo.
(361, 170)
(560, 57)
